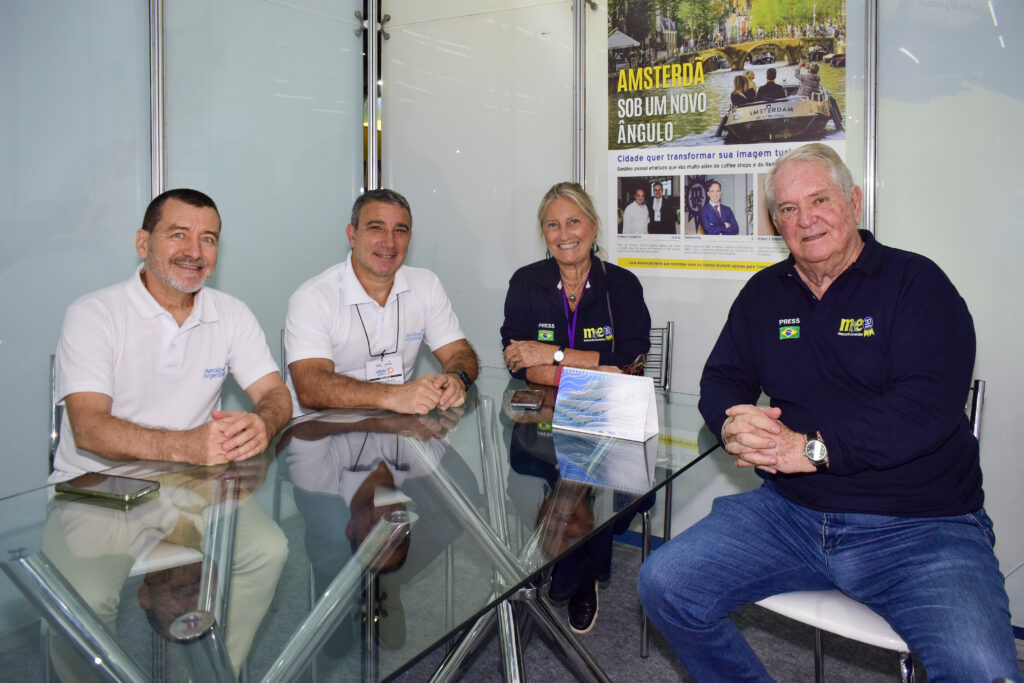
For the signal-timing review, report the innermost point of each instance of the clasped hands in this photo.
(230, 435)
(756, 437)
(425, 393)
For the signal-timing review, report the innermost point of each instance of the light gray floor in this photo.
(784, 646)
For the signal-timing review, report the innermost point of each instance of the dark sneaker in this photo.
(583, 608)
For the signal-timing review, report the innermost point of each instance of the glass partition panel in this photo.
(476, 125)
(74, 180)
(949, 150)
(264, 113)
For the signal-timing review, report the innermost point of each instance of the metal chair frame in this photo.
(659, 363)
(56, 411)
(811, 607)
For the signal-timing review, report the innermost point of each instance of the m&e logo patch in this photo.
(857, 327)
(599, 333)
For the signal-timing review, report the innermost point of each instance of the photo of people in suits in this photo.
(649, 205)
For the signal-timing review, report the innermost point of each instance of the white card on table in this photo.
(606, 403)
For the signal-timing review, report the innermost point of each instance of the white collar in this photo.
(353, 292)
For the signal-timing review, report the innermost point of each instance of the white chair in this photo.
(834, 612)
(658, 366)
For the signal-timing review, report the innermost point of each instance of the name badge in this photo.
(387, 370)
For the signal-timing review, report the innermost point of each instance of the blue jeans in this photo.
(935, 580)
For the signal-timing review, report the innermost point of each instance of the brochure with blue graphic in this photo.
(603, 461)
(610, 404)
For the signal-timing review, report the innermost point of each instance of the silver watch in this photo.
(816, 451)
(559, 356)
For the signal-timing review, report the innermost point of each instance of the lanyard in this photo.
(398, 466)
(398, 321)
(575, 313)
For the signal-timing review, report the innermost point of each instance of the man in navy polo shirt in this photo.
(872, 483)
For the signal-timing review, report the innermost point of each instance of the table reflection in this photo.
(351, 469)
(575, 468)
(166, 540)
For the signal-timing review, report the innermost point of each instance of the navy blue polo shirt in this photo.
(881, 366)
(611, 308)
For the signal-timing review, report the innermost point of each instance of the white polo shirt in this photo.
(120, 342)
(332, 316)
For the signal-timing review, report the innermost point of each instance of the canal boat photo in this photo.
(790, 118)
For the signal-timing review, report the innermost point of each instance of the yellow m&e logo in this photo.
(857, 327)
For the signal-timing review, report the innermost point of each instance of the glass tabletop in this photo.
(421, 522)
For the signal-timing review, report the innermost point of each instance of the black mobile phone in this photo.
(524, 399)
(108, 486)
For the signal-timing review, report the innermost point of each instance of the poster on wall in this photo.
(703, 96)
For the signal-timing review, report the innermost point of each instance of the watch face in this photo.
(559, 356)
(816, 451)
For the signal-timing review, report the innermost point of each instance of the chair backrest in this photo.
(56, 411)
(977, 403)
(658, 364)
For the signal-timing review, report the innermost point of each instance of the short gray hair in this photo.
(382, 195)
(815, 153)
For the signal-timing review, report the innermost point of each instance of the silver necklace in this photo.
(571, 291)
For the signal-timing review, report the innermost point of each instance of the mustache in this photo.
(185, 261)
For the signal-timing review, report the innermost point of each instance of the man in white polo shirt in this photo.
(354, 330)
(140, 364)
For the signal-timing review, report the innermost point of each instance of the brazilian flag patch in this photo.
(545, 335)
(789, 332)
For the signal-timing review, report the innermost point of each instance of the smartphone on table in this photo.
(109, 487)
(527, 400)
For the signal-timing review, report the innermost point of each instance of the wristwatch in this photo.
(559, 356)
(816, 451)
(463, 376)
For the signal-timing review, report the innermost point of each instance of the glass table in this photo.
(358, 543)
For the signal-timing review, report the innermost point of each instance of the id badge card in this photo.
(388, 370)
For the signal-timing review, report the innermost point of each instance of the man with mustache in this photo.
(354, 330)
(140, 364)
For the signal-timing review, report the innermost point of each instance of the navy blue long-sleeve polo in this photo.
(880, 366)
(611, 305)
